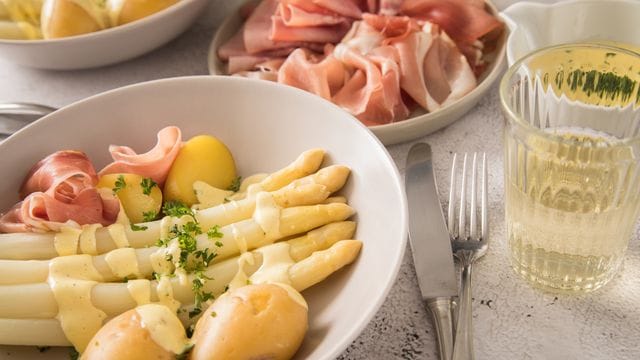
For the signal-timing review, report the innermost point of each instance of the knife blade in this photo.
(430, 244)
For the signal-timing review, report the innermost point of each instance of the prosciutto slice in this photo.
(317, 74)
(465, 21)
(154, 164)
(60, 190)
(372, 93)
(62, 171)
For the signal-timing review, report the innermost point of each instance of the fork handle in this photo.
(463, 347)
(440, 309)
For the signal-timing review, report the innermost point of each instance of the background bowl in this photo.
(419, 123)
(280, 123)
(107, 46)
(535, 25)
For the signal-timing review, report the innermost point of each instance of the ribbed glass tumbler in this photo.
(572, 179)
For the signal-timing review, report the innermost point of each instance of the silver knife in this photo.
(430, 244)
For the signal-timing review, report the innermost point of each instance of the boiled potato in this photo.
(149, 331)
(131, 194)
(66, 18)
(202, 158)
(133, 10)
(264, 321)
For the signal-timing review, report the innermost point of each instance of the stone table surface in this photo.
(511, 319)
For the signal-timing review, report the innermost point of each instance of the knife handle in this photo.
(440, 309)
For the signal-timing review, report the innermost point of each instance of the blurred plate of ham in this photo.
(403, 68)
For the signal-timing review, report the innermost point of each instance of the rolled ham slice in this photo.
(60, 191)
(62, 171)
(154, 164)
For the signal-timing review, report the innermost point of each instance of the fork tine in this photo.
(485, 220)
(473, 230)
(462, 220)
(452, 198)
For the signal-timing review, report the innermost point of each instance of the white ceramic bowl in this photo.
(280, 123)
(104, 47)
(420, 123)
(534, 25)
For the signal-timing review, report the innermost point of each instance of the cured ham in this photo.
(60, 190)
(381, 59)
(154, 164)
(320, 75)
(465, 21)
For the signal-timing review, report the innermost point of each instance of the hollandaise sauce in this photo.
(72, 279)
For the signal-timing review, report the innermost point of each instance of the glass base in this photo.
(561, 273)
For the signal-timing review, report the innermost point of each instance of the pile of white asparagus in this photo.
(312, 222)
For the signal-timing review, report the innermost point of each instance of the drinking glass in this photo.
(572, 184)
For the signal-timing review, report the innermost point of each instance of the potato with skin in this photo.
(202, 158)
(252, 322)
(133, 10)
(131, 193)
(128, 337)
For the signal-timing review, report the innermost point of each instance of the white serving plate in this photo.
(534, 25)
(281, 123)
(420, 123)
(104, 47)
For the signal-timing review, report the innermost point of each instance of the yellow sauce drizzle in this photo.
(164, 290)
(71, 279)
(66, 241)
(241, 279)
(267, 215)
(88, 239)
(118, 235)
(123, 262)
(240, 240)
(276, 262)
(140, 291)
(164, 326)
(209, 196)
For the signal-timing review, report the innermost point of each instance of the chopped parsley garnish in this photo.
(201, 296)
(214, 314)
(156, 276)
(214, 232)
(235, 184)
(177, 209)
(219, 244)
(73, 354)
(190, 259)
(149, 216)
(120, 184)
(135, 227)
(162, 242)
(147, 184)
(189, 330)
(205, 256)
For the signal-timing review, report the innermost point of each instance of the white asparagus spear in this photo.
(36, 300)
(304, 191)
(35, 271)
(47, 332)
(304, 274)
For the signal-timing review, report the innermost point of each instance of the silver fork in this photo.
(467, 246)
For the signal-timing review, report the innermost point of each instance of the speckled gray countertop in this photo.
(511, 319)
